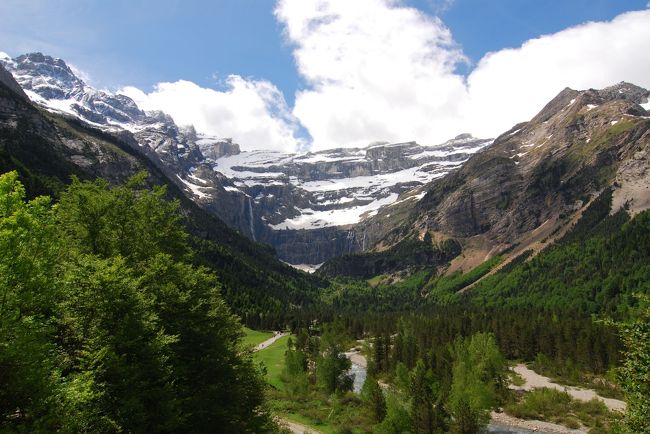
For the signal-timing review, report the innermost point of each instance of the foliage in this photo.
(426, 412)
(444, 288)
(478, 380)
(558, 407)
(332, 366)
(595, 269)
(373, 397)
(397, 420)
(634, 373)
(104, 324)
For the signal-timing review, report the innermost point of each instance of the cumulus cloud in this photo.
(254, 113)
(378, 70)
(512, 85)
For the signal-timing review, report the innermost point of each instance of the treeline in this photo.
(597, 268)
(456, 398)
(522, 333)
(105, 324)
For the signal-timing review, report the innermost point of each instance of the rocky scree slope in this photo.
(306, 206)
(530, 185)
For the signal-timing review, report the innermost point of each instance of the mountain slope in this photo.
(535, 180)
(47, 149)
(304, 205)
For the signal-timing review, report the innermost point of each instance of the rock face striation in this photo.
(307, 206)
(311, 207)
(534, 179)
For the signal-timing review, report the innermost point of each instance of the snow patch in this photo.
(313, 219)
(308, 268)
(196, 189)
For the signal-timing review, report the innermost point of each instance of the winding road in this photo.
(294, 427)
(270, 341)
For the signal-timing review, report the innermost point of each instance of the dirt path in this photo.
(534, 380)
(269, 341)
(294, 427)
(297, 428)
(506, 420)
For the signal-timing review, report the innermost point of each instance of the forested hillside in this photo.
(105, 324)
(47, 149)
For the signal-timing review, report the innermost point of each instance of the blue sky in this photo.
(144, 43)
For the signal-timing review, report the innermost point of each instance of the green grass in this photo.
(273, 359)
(375, 281)
(333, 414)
(254, 337)
(327, 414)
(445, 288)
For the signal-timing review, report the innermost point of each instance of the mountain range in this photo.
(475, 198)
(304, 205)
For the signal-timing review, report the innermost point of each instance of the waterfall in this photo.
(250, 218)
(351, 238)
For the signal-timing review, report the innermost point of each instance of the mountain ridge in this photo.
(304, 205)
(525, 188)
(47, 149)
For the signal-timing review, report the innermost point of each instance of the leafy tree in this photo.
(28, 293)
(634, 374)
(106, 327)
(333, 366)
(374, 399)
(478, 378)
(295, 370)
(425, 411)
(397, 420)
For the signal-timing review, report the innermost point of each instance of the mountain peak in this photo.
(49, 77)
(626, 91)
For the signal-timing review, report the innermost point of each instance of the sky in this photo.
(298, 75)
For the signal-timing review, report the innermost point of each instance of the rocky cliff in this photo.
(531, 184)
(304, 205)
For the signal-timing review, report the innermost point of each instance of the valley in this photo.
(144, 263)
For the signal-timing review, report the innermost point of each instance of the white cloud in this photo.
(254, 113)
(377, 70)
(514, 84)
(441, 6)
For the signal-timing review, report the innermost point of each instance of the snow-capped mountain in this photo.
(307, 206)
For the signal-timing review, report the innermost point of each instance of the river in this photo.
(358, 369)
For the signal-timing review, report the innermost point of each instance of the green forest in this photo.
(107, 326)
(115, 316)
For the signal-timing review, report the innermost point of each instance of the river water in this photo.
(359, 373)
(495, 428)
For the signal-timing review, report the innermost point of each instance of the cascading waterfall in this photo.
(250, 218)
(351, 238)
